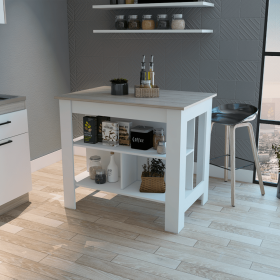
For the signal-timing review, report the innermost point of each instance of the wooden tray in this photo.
(146, 92)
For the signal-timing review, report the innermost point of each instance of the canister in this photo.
(142, 137)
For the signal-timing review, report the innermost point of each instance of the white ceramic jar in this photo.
(178, 23)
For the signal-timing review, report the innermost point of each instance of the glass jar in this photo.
(178, 22)
(161, 148)
(146, 84)
(120, 22)
(133, 22)
(158, 137)
(163, 22)
(129, 2)
(147, 22)
(100, 177)
(94, 165)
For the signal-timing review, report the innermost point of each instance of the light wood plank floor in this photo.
(116, 237)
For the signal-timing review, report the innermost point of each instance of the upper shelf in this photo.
(155, 31)
(200, 4)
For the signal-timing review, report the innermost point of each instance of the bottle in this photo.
(151, 73)
(112, 170)
(143, 71)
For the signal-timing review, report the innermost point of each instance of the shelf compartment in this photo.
(200, 4)
(170, 31)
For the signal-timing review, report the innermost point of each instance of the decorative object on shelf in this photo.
(101, 119)
(94, 165)
(133, 22)
(151, 73)
(161, 148)
(90, 129)
(142, 137)
(276, 149)
(178, 23)
(141, 92)
(119, 87)
(153, 177)
(129, 1)
(112, 170)
(100, 177)
(120, 22)
(110, 134)
(147, 22)
(125, 133)
(113, 2)
(162, 22)
(143, 73)
(158, 136)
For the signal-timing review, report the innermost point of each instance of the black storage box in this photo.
(142, 137)
(90, 129)
(101, 119)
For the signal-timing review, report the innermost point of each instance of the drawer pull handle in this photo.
(5, 123)
(8, 142)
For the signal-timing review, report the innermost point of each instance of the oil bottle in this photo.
(143, 74)
(151, 73)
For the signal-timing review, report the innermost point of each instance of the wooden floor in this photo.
(116, 237)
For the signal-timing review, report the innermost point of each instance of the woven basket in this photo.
(146, 92)
(152, 185)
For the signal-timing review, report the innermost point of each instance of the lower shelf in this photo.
(82, 180)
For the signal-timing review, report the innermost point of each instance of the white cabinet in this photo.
(2, 12)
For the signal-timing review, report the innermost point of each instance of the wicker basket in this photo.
(152, 185)
(146, 92)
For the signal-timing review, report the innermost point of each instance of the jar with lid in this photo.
(158, 136)
(147, 22)
(94, 165)
(161, 148)
(163, 22)
(178, 22)
(133, 22)
(120, 22)
(129, 2)
(100, 177)
(146, 84)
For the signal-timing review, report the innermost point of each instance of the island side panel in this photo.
(175, 171)
(66, 129)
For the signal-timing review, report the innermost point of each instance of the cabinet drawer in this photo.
(13, 124)
(15, 170)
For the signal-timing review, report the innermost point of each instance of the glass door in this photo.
(268, 131)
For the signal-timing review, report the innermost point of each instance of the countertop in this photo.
(169, 99)
(11, 100)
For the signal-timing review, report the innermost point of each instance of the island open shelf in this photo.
(190, 31)
(200, 4)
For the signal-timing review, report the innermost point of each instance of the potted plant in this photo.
(276, 149)
(153, 177)
(119, 87)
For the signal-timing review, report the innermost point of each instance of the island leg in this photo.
(203, 151)
(66, 129)
(175, 170)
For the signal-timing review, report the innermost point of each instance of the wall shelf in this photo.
(200, 4)
(170, 31)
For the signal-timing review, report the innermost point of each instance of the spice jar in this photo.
(158, 136)
(94, 165)
(146, 84)
(178, 22)
(161, 148)
(133, 22)
(120, 22)
(129, 1)
(147, 22)
(100, 177)
(163, 22)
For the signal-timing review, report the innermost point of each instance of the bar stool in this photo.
(234, 116)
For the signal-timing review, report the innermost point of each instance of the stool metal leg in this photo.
(232, 164)
(255, 154)
(226, 152)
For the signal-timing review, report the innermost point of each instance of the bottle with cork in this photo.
(112, 170)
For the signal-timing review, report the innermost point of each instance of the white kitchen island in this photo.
(178, 109)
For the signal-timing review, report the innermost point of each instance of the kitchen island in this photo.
(179, 110)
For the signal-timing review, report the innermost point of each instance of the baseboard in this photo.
(54, 157)
(241, 175)
(14, 203)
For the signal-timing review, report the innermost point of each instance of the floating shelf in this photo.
(125, 150)
(199, 31)
(200, 4)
